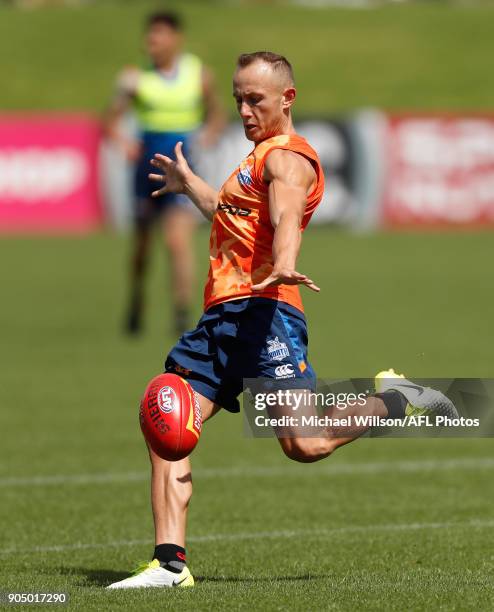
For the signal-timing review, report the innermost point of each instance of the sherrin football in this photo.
(170, 416)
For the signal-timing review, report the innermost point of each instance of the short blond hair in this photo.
(278, 63)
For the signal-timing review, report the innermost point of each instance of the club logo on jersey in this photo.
(277, 350)
(244, 176)
(284, 371)
(166, 399)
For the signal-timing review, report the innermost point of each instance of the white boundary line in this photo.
(295, 470)
(228, 537)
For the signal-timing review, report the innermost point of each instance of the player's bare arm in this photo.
(179, 178)
(125, 89)
(291, 178)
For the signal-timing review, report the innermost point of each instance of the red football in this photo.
(170, 416)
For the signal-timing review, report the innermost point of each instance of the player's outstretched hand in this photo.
(174, 172)
(286, 277)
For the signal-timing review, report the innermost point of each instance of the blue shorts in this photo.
(245, 338)
(148, 208)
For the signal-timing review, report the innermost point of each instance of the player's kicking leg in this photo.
(419, 400)
(307, 444)
(171, 490)
(396, 398)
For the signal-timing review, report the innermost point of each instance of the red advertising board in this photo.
(439, 171)
(48, 173)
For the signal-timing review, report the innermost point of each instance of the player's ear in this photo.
(289, 97)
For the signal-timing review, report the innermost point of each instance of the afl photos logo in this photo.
(166, 399)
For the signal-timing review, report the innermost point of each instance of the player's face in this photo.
(263, 101)
(162, 42)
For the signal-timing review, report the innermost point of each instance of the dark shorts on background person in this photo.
(245, 338)
(147, 208)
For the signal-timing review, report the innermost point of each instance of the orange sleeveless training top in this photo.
(240, 246)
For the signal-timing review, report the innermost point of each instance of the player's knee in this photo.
(307, 450)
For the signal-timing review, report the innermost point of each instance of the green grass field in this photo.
(382, 525)
(427, 55)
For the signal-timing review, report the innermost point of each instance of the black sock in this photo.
(170, 556)
(395, 402)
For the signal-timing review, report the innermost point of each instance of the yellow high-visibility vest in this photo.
(171, 104)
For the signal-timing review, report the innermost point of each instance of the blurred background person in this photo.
(173, 99)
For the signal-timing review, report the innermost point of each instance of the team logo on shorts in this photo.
(277, 350)
(284, 371)
(166, 399)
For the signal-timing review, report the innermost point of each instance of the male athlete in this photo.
(253, 320)
(170, 98)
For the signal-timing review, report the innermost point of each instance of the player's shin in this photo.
(171, 490)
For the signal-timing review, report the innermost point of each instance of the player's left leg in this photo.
(179, 224)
